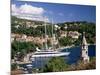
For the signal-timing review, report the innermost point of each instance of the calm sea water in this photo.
(75, 53)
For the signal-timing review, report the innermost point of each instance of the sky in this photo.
(53, 12)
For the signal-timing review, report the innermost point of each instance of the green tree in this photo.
(22, 47)
(55, 64)
(65, 41)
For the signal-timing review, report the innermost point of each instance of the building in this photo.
(14, 36)
(30, 24)
(84, 47)
(63, 34)
(74, 34)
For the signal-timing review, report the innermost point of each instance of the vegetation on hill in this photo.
(80, 26)
(65, 41)
(58, 64)
(22, 47)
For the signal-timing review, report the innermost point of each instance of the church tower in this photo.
(84, 48)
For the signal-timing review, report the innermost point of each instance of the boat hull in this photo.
(50, 54)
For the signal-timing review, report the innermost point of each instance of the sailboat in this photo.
(48, 52)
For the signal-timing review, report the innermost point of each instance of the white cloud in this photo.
(27, 11)
(14, 9)
(37, 18)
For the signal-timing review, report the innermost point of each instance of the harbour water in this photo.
(73, 57)
(75, 53)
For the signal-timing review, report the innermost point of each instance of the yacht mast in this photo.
(52, 35)
(46, 47)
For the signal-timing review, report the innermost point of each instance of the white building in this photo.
(74, 34)
(84, 47)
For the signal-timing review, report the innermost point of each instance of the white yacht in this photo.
(48, 52)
